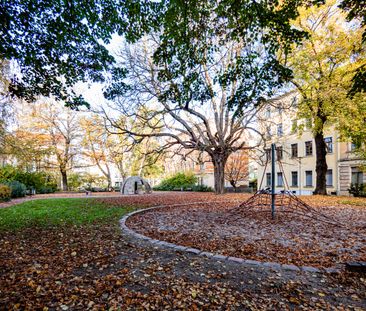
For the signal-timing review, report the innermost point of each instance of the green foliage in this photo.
(358, 190)
(254, 184)
(58, 212)
(47, 189)
(356, 10)
(194, 33)
(18, 189)
(202, 188)
(177, 181)
(85, 180)
(323, 65)
(5, 193)
(53, 39)
(75, 181)
(40, 181)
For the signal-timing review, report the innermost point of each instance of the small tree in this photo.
(97, 143)
(236, 170)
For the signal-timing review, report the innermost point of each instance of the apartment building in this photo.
(295, 146)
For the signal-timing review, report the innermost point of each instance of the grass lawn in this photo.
(59, 212)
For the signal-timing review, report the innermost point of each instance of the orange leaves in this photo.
(290, 239)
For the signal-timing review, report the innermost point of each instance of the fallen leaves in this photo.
(111, 272)
(289, 239)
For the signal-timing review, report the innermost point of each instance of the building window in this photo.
(268, 154)
(268, 179)
(308, 148)
(294, 151)
(279, 153)
(202, 166)
(352, 147)
(308, 178)
(268, 112)
(279, 130)
(279, 179)
(356, 176)
(329, 144)
(294, 179)
(268, 131)
(329, 178)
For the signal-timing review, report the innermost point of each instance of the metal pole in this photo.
(273, 148)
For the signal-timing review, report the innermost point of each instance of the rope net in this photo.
(284, 202)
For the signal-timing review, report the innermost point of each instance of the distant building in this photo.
(296, 150)
(201, 166)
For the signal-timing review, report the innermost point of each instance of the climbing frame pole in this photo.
(273, 171)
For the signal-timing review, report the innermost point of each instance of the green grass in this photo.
(58, 212)
(356, 203)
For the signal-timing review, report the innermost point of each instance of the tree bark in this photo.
(321, 164)
(64, 180)
(219, 162)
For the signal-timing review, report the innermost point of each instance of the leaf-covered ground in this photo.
(87, 264)
(290, 239)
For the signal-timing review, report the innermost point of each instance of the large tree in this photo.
(60, 129)
(212, 63)
(323, 67)
(205, 124)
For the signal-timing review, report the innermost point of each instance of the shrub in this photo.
(358, 190)
(5, 193)
(32, 180)
(202, 188)
(177, 181)
(47, 189)
(18, 189)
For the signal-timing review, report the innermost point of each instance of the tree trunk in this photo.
(109, 181)
(64, 180)
(321, 164)
(233, 183)
(219, 162)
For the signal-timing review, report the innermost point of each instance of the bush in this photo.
(18, 189)
(5, 193)
(182, 181)
(32, 180)
(358, 190)
(177, 181)
(46, 189)
(202, 188)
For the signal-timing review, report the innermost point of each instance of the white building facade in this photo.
(295, 145)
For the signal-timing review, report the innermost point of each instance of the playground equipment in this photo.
(135, 185)
(285, 201)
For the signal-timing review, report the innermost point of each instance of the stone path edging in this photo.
(254, 263)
